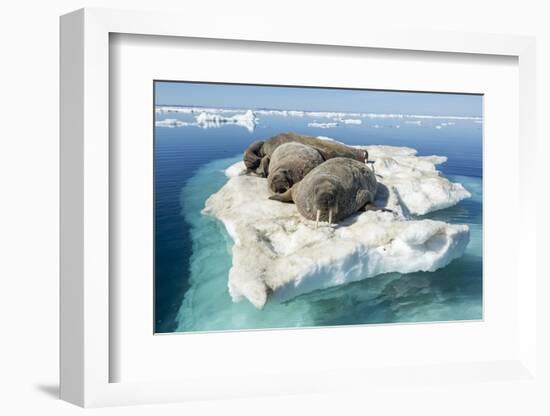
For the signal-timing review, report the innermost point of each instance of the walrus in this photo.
(333, 191)
(289, 164)
(257, 156)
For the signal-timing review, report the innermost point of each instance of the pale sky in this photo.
(315, 99)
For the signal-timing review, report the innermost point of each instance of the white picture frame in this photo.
(85, 220)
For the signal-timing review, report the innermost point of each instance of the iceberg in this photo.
(207, 120)
(247, 120)
(291, 257)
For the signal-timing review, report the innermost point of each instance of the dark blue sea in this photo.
(193, 252)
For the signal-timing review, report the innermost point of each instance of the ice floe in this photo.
(331, 114)
(282, 113)
(322, 125)
(442, 117)
(380, 115)
(277, 254)
(171, 123)
(207, 120)
(445, 124)
(195, 110)
(351, 121)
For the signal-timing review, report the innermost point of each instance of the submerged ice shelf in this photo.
(291, 257)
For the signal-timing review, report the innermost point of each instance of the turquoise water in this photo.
(193, 252)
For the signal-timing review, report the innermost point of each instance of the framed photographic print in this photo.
(283, 213)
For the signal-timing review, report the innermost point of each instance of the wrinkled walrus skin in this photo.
(333, 190)
(289, 164)
(257, 156)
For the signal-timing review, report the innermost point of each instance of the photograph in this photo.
(282, 206)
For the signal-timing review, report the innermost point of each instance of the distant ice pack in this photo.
(217, 117)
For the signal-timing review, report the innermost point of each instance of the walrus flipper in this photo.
(284, 197)
(362, 198)
(369, 206)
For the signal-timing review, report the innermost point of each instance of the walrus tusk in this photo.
(317, 218)
(329, 216)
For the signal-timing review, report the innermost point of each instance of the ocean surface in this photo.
(193, 251)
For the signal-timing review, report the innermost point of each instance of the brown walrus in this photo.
(333, 191)
(257, 156)
(288, 165)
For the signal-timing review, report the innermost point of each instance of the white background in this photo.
(29, 209)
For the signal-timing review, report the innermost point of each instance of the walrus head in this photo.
(280, 181)
(325, 201)
(253, 156)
